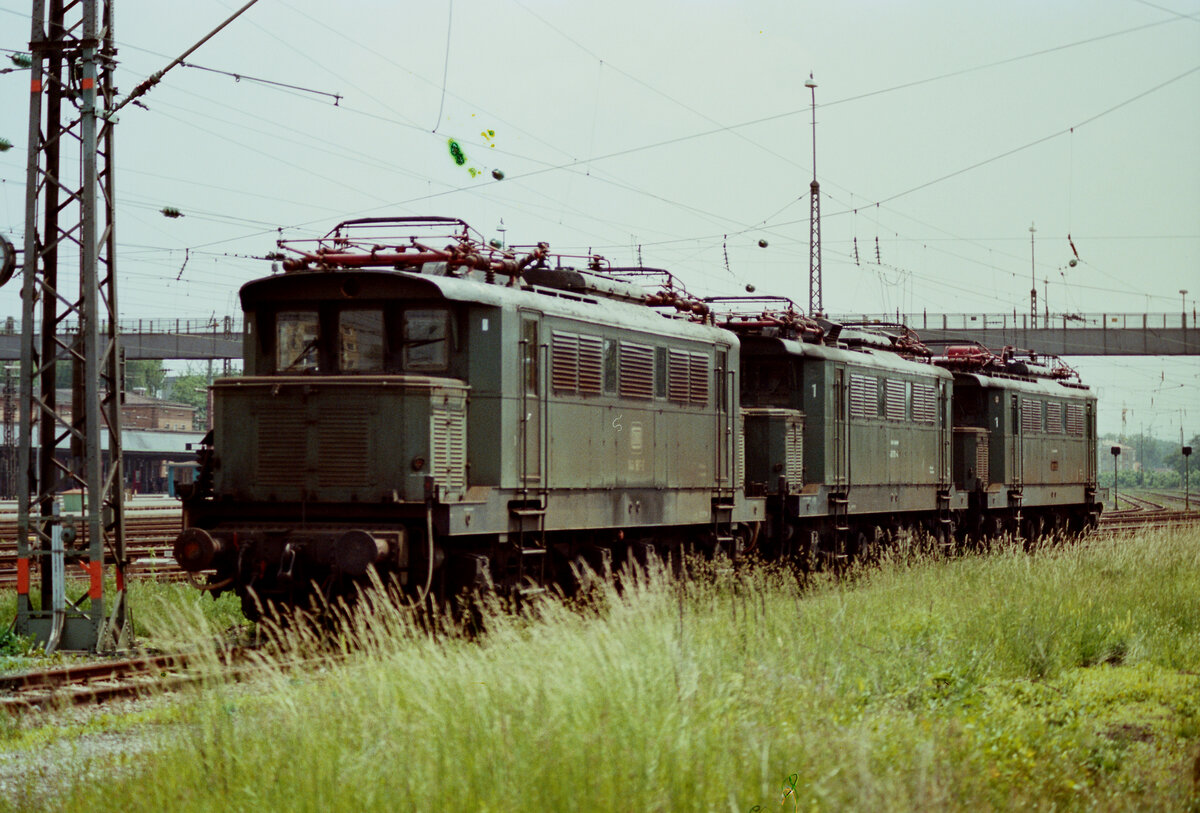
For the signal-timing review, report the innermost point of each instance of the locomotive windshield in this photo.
(357, 339)
(768, 382)
(425, 339)
(360, 341)
(297, 335)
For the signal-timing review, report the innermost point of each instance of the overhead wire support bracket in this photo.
(237, 77)
(146, 84)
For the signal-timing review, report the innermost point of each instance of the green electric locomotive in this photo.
(450, 416)
(457, 416)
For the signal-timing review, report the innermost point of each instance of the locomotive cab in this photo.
(352, 416)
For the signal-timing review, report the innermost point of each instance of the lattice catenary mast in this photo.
(71, 100)
(815, 307)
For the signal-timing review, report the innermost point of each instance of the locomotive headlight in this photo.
(418, 463)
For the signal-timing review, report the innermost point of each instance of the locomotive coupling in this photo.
(195, 549)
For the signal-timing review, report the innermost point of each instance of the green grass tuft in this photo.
(1066, 679)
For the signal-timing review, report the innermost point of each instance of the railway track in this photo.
(102, 681)
(1146, 513)
(1176, 499)
(93, 682)
(149, 534)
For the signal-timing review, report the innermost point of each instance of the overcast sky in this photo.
(681, 130)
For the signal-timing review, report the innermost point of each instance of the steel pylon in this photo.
(69, 220)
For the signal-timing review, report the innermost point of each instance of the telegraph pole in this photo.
(815, 307)
(71, 99)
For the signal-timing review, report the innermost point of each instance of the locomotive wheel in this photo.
(974, 534)
(1031, 530)
(862, 547)
(871, 542)
(1073, 525)
(993, 527)
(1053, 525)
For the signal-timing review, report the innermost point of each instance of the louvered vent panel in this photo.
(1054, 418)
(698, 386)
(591, 365)
(894, 395)
(1075, 420)
(740, 474)
(677, 376)
(343, 448)
(1031, 416)
(564, 362)
(449, 445)
(637, 371)
(795, 454)
(924, 403)
(282, 448)
(981, 458)
(863, 396)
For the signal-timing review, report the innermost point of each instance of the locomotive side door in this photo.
(841, 432)
(1090, 445)
(1018, 434)
(532, 420)
(723, 379)
(945, 435)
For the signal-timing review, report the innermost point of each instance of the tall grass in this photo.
(162, 615)
(1063, 679)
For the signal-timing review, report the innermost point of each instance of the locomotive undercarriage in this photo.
(325, 561)
(829, 541)
(320, 564)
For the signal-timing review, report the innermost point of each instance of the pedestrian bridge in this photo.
(1095, 334)
(182, 339)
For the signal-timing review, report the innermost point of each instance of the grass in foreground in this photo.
(1068, 679)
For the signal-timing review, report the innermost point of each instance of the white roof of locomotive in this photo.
(1048, 387)
(588, 307)
(883, 360)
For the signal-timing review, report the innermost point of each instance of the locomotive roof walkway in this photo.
(1107, 334)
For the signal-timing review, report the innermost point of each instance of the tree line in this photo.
(1162, 461)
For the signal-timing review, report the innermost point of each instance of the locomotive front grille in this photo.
(368, 439)
(449, 444)
(340, 435)
(343, 448)
(794, 453)
(981, 459)
(282, 441)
